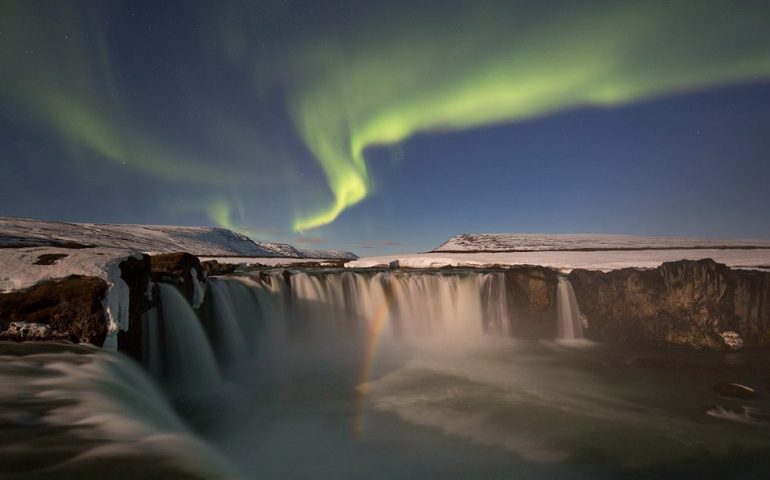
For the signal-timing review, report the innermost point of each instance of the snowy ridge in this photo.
(533, 242)
(199, 241)
(328, 254)
(282, 249)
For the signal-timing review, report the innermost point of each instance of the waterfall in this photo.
(231, 343)
(99, 407)
(570, 326)
(190, 360)
(460, 305)
(255, 316)
(151, 351)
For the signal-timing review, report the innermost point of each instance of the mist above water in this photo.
(344, 374)
(417, 373)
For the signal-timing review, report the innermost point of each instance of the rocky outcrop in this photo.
(73, 308)
(136, 273)
(531, 293)
(699, 304)
(66, 309)
(213, 268)
(733, 390)
(182, 269)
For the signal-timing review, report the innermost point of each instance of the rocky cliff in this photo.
(698, 304)
(694, 304)
(531, 301)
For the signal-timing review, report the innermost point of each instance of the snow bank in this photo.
(21, 268)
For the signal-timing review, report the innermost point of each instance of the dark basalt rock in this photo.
(699, 304)
(213, 268)
(65, 309)
(71, 308)
(733, 390)
(136, 273)
(177, 268)
(50, 258)
(531, 293)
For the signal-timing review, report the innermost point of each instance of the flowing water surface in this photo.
(378, 375)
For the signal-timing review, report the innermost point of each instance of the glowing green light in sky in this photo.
(390, 82)
(377, 77)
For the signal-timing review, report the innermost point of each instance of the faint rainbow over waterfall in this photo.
(376, 326)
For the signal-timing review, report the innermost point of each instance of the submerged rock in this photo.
(733, 390)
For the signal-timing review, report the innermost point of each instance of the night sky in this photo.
(389, 126)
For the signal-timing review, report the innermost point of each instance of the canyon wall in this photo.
(698, 304)
(693, 304)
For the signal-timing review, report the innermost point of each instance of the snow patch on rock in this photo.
(732, 339)
(20, 271)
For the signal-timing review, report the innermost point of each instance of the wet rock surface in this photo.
(136, 273)
(181, 268)
(213, 268)
(733, 390)
(698, 304)
(532, 301)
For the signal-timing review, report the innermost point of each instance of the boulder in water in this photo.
(733, 390)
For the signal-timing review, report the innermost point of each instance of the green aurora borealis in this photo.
(487, 66)
(385, 73)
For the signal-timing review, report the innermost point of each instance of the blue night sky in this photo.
(389, 126)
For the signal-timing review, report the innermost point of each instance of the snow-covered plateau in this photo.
(527, 242)
(580, 251)
(199, 241)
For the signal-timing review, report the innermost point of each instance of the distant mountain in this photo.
(328, 254)
(533, 242)
(201, 241)
(282, 249)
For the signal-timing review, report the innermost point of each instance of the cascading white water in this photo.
(151, 351)
(99, 407)
(190, 360)
(231, 342)
(459, 305)
(570, 326)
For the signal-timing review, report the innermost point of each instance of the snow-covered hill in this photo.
(282, 249)
(531, 242)
(328, 254)
(201, 241)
